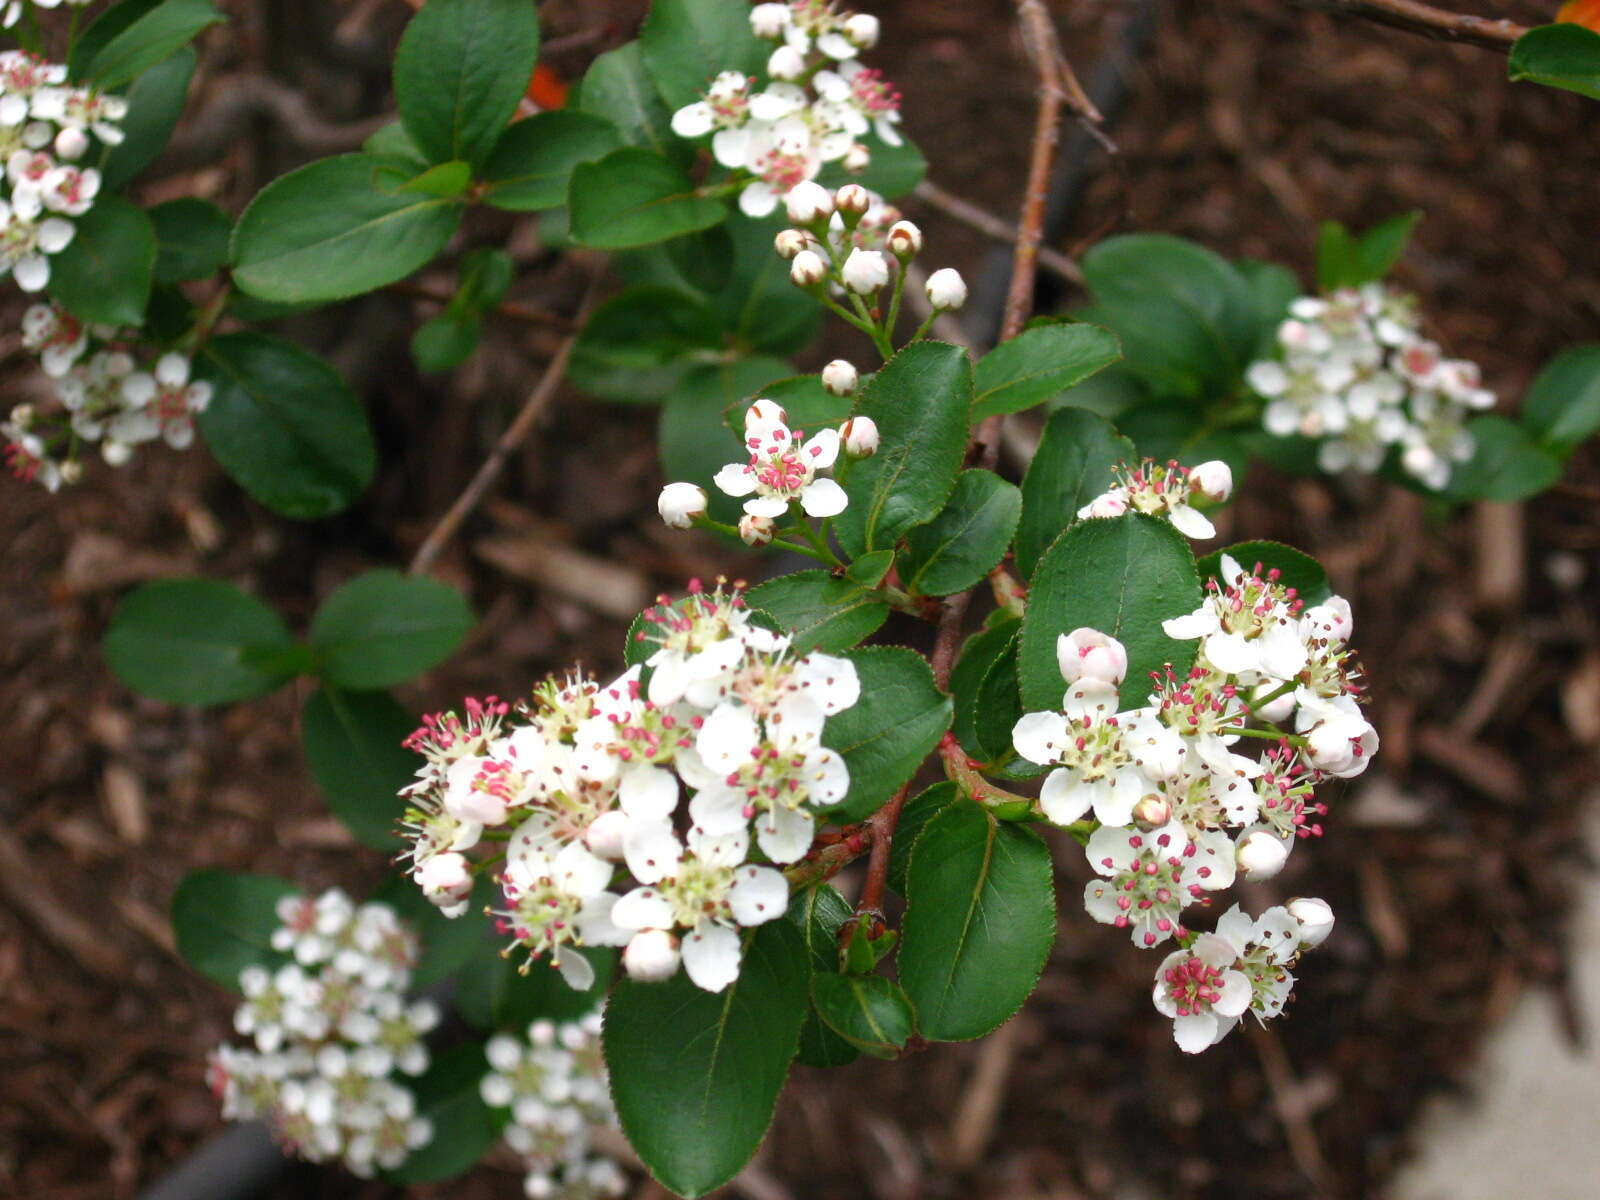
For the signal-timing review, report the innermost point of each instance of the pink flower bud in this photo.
(1089, 654)
(865, 271)
(1152, 811)
(755, 531)
(651, 956)
(807, 270)
(860, 437)
(946, 289)
(1213, 480)
(852, 200)
(1315, 917)
(840, 378)
(680, 503)
(808, 202)
(790, 242)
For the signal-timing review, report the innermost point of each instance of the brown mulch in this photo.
(1449, 864)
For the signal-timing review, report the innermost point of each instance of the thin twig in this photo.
(1416, 17)
(507, 445)
(985, 222)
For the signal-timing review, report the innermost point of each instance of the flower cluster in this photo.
(1357, 373)
(44, 131)
(820, 102)
(330, 1031)
(1166, 490)
(1180, 811)
(100, 394)
(585, 777)
(553, 1081)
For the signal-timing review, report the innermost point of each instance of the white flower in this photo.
(860, 437)
(780, 472)
(946, 289)
(1202, 992)
(865, 271)
(680, 503)
(1247, 626)
(1089, 654)
(1144, 889)
(1339, 740)
(786, 63)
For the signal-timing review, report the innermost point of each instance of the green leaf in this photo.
(383, 628)
(1560, 56)
(980, 919)
(632, 348)
(808, 403)
(819, 611)
(1072, 466)
(463, 1125)
(191, 239)
(978, 654)
(819, 912)
(1344, 260)
(869, 570)
(686, 43)
(1506, 465)
(885, 735)
(757, 304)
(104, 274)
(445, 342)
(352, 745)
(914, 818)
(963, 543)
(618, 89)
(1562, 407)
(921, 401)
(493, 993)
(1274, 288)
(335, 228)
(445, 181)
(1040, 363)
(1186, 318)
(198, 641)
(999, 706)
(1296, 569)
(155, 102)
(695, 1075)
(285, 425)
(100, 31)
(224, 921)
(148, 40)
(461, 70)
(633, 197)
(392, 141)
(532, 163)
(695, 443)
(868, 1011)
(447, 942)
(1123, 577)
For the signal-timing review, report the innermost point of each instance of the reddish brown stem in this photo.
(1415, 17)
(882, 826)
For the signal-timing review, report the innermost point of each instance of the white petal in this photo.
(758, 200)
(728, 739)
(730, 147)
(642, 908)
(1235, 997)
(736, 479)
(648, 793)
(1063, 797)
(32, 272)
(692, 120)
(827, 776)
(1115, 800)
(1197, 624)
(822, 498)
(711, 956)
(759, 894)
(1195, 1033)
(784, 835)
(1039, 737)
(1230, 653)
(719, 810)
(821, 449)
(652, 851)
(831, 682)
(1191, 523)
(767, 506)
(574, 968)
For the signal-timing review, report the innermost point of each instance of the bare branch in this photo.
(1416, 17)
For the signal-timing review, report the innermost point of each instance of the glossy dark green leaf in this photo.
(960, 546)
(1560, 56)
(191, 239)
(444, 342)
(532, 163)
(633, 197)
(97, 36)
(463, 1126)
(757, 304)
(148, 40)
(1295, 568)
(1040, 363)
(999, 704)
(1562, 407)
(1346, 260)
(635, 346)
(886, 734)
(1123, 577)
(199, 641)
(285, 425)
(977, 656)
(617, 88)
(818, 913)
(686, 43)
(104, 274)
(155, 102)
(869, 570)
(224, 921)
(808, 404)
(460, 72)
(914, 818)
(1274, 287)
(1506, 465)
(868, 1011)
(820, 611)
(893, 172)
(980, 920)
(921, 401)
(695, 1075)
(1072, 466)
(352, 745)
(335, 228)
(383, 628)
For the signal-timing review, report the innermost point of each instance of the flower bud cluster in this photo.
(45, 128)
(1357, 373)
(553, 1081)
(100, 394)
(333, 1037)
(1166, 490)
(819, 104)
(1181, 812)
(586, 778)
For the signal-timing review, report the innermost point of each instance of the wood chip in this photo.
(125, 803)
(596, 583)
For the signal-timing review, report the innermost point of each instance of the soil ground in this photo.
(1451, 864)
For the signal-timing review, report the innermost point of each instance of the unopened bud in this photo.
(1213, 480)
(445, 877)
(808, 203)
(22, 415)
(840, 378)
(786, 64)
(769, 20)
(762, 417)
(1152, 811)
(756, 531)
(807, 270)
(72, 144)
(790, 242)
(858, 158)
(905, 240)
(946, 289)
(1315, 917)
(1261, 854)
(862, 30)
(1107, 504)
(680, 503)
(852, 201)
(860, 437)
(115, 453)
(71, 471)
(865, 271)
(651, 956)
(1087, 653)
